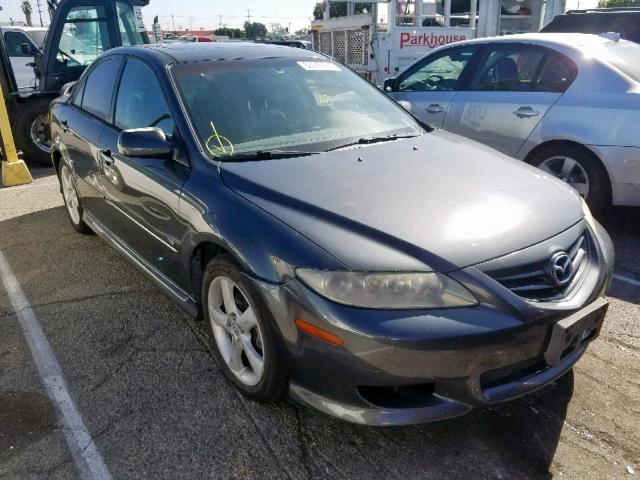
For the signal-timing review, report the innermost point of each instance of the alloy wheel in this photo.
(70, 195)
(39, 133)
(236, 330)
(568, 170)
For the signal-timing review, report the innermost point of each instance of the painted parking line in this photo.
(86, 455)
(622, 278)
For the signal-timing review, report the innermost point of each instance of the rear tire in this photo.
(32, 131)
(242, 334)
(578, 167)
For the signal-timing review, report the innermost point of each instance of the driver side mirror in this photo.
(390, 85)
(145, 143)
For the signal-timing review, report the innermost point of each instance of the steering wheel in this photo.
(434, 80)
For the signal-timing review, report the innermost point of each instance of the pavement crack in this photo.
(302, 444)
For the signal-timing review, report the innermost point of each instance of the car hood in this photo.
(438, 202)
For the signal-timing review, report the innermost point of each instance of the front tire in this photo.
(243, 339)
(72, 201)
(580, 169)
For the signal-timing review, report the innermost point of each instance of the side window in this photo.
(557, 74)
(99, 87)
(439, 74)
(129, 31)
(141, 101)
(508, 69)
(78, 94)
(15, 41)
(84, 37)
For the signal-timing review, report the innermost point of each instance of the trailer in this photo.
(388, 35)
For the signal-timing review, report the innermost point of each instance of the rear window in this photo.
(624, 56)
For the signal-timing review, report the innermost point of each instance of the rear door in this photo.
(509, 95)
(83, 124)
(431, 84)
(143, 194)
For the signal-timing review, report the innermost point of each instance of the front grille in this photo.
(534, 281)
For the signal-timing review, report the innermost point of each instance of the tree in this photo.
(618, 3)
(339, 9)
(229, 32)
(255, 30)
(318, 11)
(25, 6)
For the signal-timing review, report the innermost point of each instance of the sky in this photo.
(205, 13)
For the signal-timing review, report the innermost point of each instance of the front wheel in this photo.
(244, 341)
(580, 169)
(72, 200)
(32, 131)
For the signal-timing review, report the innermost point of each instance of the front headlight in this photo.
(388, 290)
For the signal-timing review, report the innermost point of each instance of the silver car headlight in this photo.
(388, 290)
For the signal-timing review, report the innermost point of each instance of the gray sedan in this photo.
(567, 103)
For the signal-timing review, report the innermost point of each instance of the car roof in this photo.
(196, 52)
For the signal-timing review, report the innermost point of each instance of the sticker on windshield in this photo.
(137, 11)
(320, 66)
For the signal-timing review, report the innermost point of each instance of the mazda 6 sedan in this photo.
(566, 103)
(334, 248)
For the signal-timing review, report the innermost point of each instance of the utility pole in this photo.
(220, 23)
(173, 22)
(39, 12)
(249, 15)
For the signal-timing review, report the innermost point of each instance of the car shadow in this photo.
(114, 333)
(623, 225)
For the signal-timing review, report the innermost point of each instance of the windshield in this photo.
(37, 36)
(247, 106)
(624, 56)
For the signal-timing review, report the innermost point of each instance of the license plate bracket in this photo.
(574, 331)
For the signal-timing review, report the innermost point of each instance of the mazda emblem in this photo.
(560, 269)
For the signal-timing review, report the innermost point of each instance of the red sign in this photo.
(431, 40)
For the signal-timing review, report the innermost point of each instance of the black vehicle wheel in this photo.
(72, 200)
(578, 168)
(242, 336)
(31, 131)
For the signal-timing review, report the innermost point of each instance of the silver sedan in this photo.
(567, 103)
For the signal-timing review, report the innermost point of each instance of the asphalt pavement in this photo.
(156, 405)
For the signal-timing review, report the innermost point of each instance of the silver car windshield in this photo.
(245, 106)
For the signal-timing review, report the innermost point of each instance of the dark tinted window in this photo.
(99, 87)
(14, 42)
(556, 75)
(508, 69)
(77, 94)
(141, 102)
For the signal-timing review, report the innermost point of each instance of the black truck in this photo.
(624, 20)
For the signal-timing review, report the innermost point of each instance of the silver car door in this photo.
(507, 98)
(427, 87)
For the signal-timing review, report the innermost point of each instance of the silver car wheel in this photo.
(38, 133)
(236, 330)
(70, 195)
(568, 170)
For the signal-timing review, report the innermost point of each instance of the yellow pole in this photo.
(14, 170)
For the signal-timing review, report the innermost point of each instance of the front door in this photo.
(508, 97)
(429, 86)
(143, 194)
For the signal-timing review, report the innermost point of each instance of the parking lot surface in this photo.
(157, 406)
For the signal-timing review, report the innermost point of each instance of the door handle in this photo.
(107, 158)
(435, 108)
(526, 112)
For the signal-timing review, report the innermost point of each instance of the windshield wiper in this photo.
(376, 139)
(266, 155)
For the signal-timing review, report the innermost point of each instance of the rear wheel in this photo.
(31, 131)
(243, 340)
(580, 169)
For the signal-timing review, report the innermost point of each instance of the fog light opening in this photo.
(405, 396)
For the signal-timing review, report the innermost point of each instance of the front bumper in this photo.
(405, 367)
